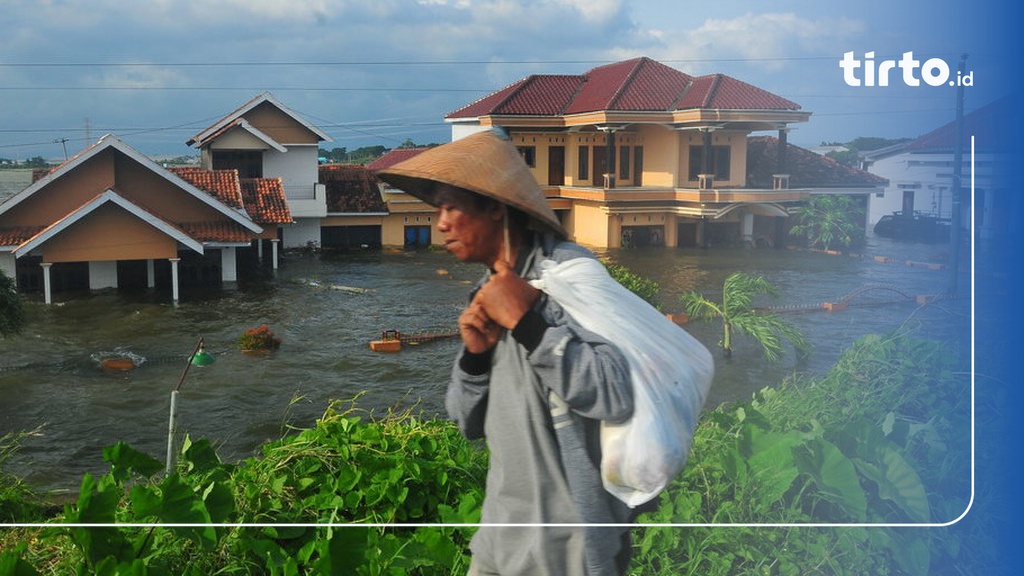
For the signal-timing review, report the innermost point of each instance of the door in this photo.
(556, 165)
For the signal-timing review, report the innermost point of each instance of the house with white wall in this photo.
(920, 172)
(263, 138)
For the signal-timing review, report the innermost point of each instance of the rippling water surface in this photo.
(326, 309)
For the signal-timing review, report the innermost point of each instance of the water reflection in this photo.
(326, 309)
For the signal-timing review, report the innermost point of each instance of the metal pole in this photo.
(172, 421)
(171, 429)
(958, 156)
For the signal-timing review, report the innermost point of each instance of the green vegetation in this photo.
(737, 316)
(12, 313)
(851, 156)
(829, 221)
(884, 437)
(645, 288)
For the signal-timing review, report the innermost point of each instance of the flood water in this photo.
(327, 308)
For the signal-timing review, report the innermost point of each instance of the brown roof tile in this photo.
(216, 231)
(18, 235)
(985, 124)
(806, 169)
(221, 184)
(640, 84)
(352, 189)
(264, 200)
(393, 157)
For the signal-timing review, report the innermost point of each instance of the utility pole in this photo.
(958, 157)
(64, 145)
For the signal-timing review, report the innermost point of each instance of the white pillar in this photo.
(150, 274)
(273, 243)
(47, 295)
(228, 265)
(747, 227)
(102, 274)
(174, 278)
(259, 250)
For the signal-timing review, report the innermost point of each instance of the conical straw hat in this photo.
(485, 163)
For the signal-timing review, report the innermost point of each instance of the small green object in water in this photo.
(202, 358)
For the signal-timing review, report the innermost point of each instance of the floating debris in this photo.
(392, 340)
(338, 287)
(118, 360)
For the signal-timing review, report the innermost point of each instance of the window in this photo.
(529, 154)
(718, 163)
(624, 164)
(638, 165)
(584, 163)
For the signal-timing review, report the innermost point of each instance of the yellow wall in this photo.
(660, 153)
(109, 233)
(591, 226)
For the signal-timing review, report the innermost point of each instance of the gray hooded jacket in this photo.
(537, 474)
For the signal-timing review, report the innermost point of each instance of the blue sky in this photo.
(156, 73)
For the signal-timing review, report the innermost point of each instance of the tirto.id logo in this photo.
(934, 71)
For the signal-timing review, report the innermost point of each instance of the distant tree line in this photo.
(364, 155)
(851, 156)
(34, 162)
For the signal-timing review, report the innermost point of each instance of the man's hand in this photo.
(479, 333)
(506, 297)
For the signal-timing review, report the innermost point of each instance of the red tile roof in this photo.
(18, 235)
(640, 84)
(393, 157)
(985, 124)
(221, 184)
(262, 199)
(352, 189)
(216, 231)
(805, 168)
(265, 201)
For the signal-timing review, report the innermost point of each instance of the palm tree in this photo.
(738, 317)
(12, 314)
(829, 221)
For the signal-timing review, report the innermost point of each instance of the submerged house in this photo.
(112, 218)
(263, 138)
(920, 173)
(637, 151)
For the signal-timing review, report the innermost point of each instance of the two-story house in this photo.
(639, 152)
(263, 138)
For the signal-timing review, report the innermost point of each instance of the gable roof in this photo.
(351, 189)
(232, 118)
(806, 169)
(112, 197)
(393, 157)
(640, 84)
(984, 124)
(108, 142)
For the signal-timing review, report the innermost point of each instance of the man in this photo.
(544, 490)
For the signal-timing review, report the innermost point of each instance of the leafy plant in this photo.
(259, 338)
(811, 451)
(12, 313)
(829, 221)
(737, 316)
(645, 288)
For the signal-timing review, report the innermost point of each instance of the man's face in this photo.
(471, 233)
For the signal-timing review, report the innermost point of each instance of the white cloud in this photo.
(775, 36)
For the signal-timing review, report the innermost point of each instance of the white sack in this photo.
(670, 370)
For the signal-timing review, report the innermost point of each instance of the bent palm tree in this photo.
(737, 316)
